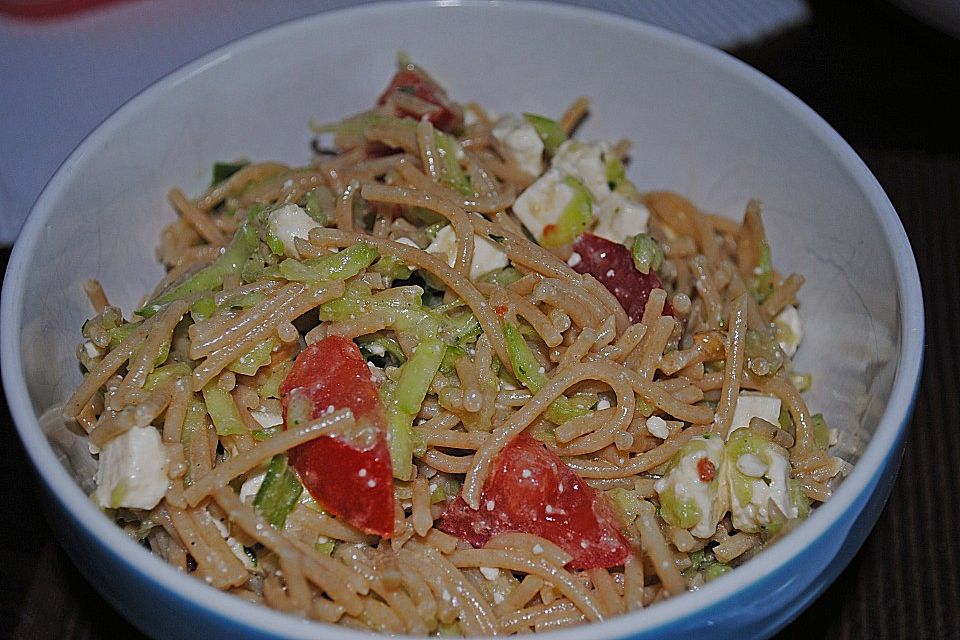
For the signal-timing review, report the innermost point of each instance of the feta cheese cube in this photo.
(621, 218)
(658, 427)
(543, 202)
(586, 162)
(249, 489)
(407, 241)
(288, 222)
(133, 470)
(750, 405)
(789, 329)
(92, 350)
(267, 419)
(486, 255)
(518, 140)
(490, 573)
(692, 493)
(758, 477)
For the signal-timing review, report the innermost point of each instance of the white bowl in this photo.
(703, 124)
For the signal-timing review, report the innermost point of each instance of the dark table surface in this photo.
(891, 87)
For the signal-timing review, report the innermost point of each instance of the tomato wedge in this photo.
(530, 490)
(448, 116)
(612, 264)
(348, 473)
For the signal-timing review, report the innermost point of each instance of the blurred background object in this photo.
(65, 65)
(939, 14)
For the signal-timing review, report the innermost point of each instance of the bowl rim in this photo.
(208, 602)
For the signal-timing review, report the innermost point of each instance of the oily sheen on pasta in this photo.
(456, 376)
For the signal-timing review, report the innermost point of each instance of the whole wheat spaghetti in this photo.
(459, 375)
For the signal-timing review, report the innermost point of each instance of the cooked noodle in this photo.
(534, 345)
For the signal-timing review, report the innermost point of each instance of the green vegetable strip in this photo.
(164, 374)
(614, 172)
(450, 170)
(279, 492)
(326, 547)
(338, 266)
(194, 438)
(244, 243)
(405, 401)
(203, 308)
(647, 253)
(764, 273)
(502, 277)
(821, 432)
(575, 217)
(548, 130)
(271, 386)
(223, 410)
(223, 170)
(274, 243)
(392, 267)
(564, 408)
(525, 366)
(406, 311)
(314, 207)
(530, 374)
(400, 442)
(416, 375)
(259, 356)
(121, 333)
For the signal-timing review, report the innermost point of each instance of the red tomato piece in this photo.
(349, 474)
(706, 470)
(530, 490)
(447, 116)
(612, 264)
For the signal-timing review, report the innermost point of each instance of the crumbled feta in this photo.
(486, 255)
(586, 162)
(602, 404)
(377, 375)
(92, 350)
(658, 427)
(750, 465)
(249, 489)
(518, 140)
(490, 573)
(543, 202)
(267, 419)
(241, 554)
(789, 329)
(574, 259)
(288, 222)
(685, 496)
(133, 470)
(750, 405)
(407, 241)
(758, 500)
(621, 218)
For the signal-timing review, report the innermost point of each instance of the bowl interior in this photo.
(701, 124)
